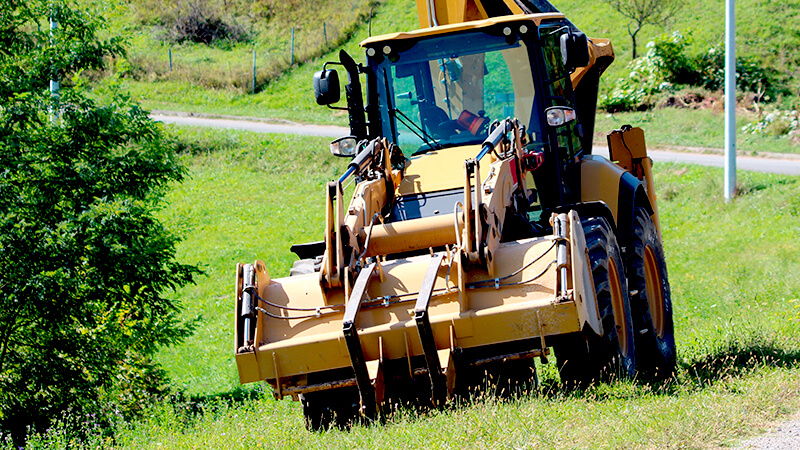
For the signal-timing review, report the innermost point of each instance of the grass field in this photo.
(672, 128)
(736, 292)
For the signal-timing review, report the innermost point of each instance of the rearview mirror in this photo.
(574, 50)
(344, 146)
(326, 87)
(559, 115)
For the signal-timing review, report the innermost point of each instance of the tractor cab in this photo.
(444, 87)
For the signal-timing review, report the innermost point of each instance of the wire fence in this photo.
(247, 68)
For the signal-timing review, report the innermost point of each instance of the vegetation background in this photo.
(733, 267)
(216, 78)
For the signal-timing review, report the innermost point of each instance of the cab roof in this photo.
(455, 27)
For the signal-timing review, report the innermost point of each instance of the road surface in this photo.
(776, 163)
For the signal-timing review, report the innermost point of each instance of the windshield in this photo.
(446, 91)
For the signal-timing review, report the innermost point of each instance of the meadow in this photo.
(733, 268)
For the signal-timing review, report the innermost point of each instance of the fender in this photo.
(631, 195)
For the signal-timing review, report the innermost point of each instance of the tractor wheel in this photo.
(585, 358)
(335, 407)
(651, 304)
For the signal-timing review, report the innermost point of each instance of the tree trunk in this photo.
(633, 38)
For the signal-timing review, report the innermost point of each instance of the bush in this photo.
(775, 123)
(648, 75)
(666, 64)
(751, 76)
(204, 28)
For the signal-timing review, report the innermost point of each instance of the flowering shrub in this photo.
(775, 123)
(648, 75)
(666, 64)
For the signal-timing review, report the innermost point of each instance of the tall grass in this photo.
(282, 34)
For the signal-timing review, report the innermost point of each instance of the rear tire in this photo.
(585, 358)
(651, 304)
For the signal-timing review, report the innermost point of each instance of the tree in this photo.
(85, 267)
(644, 12)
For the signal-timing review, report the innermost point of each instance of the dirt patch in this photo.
(691, 100)
(794, 136)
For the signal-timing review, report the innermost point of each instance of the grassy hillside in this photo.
(285, 92)
(736, 293)
(766, 31)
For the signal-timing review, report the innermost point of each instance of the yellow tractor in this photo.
(481, 232)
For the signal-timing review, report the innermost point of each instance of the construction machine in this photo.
(480, 231)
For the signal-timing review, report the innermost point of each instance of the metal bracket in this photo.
(365, 388)
(438, 382)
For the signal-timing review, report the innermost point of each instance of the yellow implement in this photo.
(481, 232)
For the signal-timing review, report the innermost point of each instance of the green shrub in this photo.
(648, 75)
(666, 64)
(751, 75)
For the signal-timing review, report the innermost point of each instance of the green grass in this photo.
(281, 32)
(680, 128)
(249, 197)
(736, 292)
(705, 20)
(287, 95)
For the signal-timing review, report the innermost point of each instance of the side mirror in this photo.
(574, 50)
(559, 115)
(326, 87)
(344, 146)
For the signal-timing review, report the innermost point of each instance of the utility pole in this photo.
(730, 101)
(54, 85)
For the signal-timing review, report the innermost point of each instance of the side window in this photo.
(557, 76)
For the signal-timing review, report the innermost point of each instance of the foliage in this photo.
(751, 74)
(668, 63)
(775, 123)
(648, 75)
(201, 28)
(644, 12)
(84, 263)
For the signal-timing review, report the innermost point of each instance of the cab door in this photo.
(559, 179)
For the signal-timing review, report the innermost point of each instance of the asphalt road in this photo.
(776, 163)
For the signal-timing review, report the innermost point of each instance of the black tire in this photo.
(585, 358)
(646, 270)
(334, 407)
